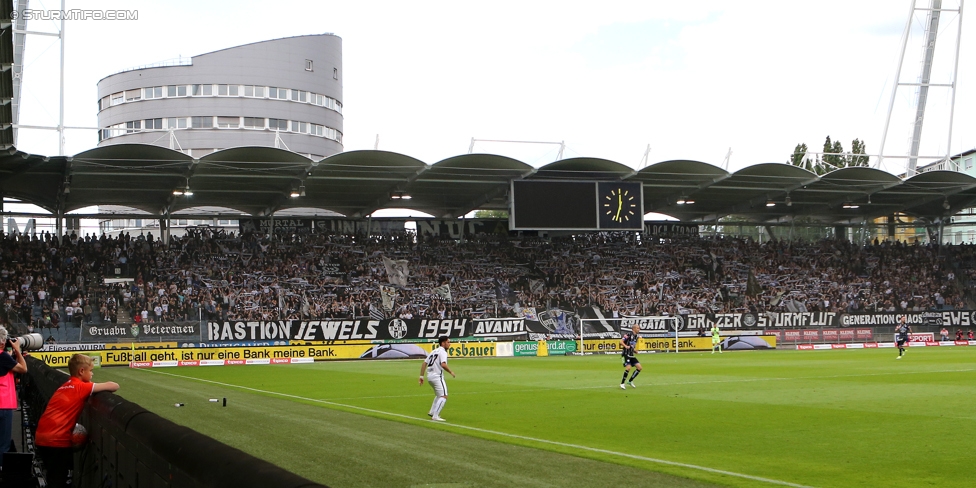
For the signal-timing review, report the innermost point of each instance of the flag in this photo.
(528, 313)
(752, 285)
(443, 292)
(396, 271)
(537, 286)
(305, 307)
(387, 294)
(375, 312)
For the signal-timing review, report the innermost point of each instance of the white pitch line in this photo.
(505, 434)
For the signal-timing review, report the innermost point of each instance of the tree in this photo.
(834, 158)
(491, 214)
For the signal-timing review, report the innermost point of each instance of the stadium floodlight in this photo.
(187, 193)
(689, 202)
(770, 203)
(851, 205)
(178, 192)
(684, 200)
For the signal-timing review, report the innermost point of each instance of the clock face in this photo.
(620, 206)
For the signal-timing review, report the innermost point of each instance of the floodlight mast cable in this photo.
(561, 144)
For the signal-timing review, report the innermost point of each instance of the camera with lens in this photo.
(29, 342)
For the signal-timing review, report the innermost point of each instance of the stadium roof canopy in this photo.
(259, 181)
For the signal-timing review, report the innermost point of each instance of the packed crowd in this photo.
(209, 275)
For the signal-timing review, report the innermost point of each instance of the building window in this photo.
(248, 91)
(222, 90)
(300, 127)
(969, 163)
(202, 122)
(272, 92)
(133, 95)
(133, 126)
(277, 124)
(171, 91)
(153, 92)
(228, 122)
(202, 90)
(335, 73)
(253, 123)
(259, 91)
(153, 124)
(181, 90)
(308, 65)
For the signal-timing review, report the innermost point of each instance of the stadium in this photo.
(261, 311)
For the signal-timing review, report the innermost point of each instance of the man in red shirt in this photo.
(53, 435)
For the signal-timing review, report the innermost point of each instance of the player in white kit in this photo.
(436, 365)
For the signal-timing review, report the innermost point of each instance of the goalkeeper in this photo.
(716, 338)
(628, 344)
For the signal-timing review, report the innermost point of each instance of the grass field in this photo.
(817, 418)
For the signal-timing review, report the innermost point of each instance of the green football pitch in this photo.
(787, 418)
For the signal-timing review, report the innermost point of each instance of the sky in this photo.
(689, 79)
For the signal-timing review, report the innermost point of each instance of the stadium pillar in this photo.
(164, 229)
(891, 228)
(59, 223)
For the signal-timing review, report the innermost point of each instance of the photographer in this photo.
(11, 361)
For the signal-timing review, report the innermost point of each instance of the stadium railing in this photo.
(129, 446)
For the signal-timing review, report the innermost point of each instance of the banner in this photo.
(665, 229)
(498, 327)
(604, 346)
(154, 332)
(306, 225)
(269, 354)
(337, 330)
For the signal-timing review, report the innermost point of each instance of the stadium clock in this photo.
(620, 206)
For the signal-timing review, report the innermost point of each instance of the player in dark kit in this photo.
(628, 344)
(902, 332)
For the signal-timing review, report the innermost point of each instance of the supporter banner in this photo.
(337, 330)
(949, 318)
(142, 345)
(455, 228)
(340, 226)
(662, 229)
(954, 318)
(141, 332)
(498, 327)
(270, 354)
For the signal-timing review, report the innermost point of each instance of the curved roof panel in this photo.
(584, 168)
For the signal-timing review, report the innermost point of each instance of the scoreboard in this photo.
(576, 205)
